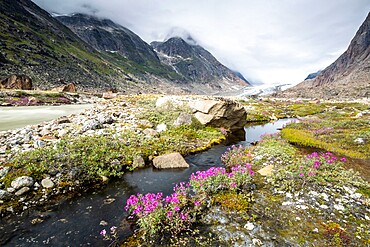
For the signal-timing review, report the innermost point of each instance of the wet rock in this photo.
(22, 191)
(138, 162)
(23, 181)
(4, 195)
(47, 183)
(183, 119)
(173, 160)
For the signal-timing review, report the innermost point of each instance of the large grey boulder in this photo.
(23, 181)
(173, 160)
(219, 113)
(183, 119)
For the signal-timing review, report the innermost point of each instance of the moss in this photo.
(232, 201)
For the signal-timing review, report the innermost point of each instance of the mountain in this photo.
(348, 76)
(32, 42)
(195, 64)
(117, 42)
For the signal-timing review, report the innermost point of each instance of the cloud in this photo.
(271, 41)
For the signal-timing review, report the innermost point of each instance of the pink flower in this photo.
(197, 203)
(301, 174)
(169, 214)
(176, 208)
(103, 232)
(343, 159)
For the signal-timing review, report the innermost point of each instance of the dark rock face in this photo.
(348, 76)
(107, 36)
(193, 62)
(17, 82)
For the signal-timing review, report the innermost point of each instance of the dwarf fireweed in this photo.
(235, 155)
(176, 212)
(315, 165)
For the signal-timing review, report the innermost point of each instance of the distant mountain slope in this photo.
(117, 42)
(312, 75)
(195, 64)
(34, 43)
(348, 76)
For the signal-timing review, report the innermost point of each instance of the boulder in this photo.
(21, 191)
(183, 119)
(68, 88)
(173, 160)
(219, 113)
(23, 181)
(47, 183)
(109, 95)
(4, 195)
(17, 82)
(138, 162)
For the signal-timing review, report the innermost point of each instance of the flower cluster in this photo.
(176, 212)
(142, 205)
(236, 155)
(315, 163)
(112, 236)
(215, 179)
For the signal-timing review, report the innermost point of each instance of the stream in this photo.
(78, 221)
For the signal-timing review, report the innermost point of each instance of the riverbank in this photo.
(70, 153)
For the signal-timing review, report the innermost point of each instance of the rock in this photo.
(4, 195)
(45, 132)
(91, 124)
(161, 127)
(10, 190)
(173, 160)
(109, 95)
(62, 120)
(138, 162)
(249, 226)
(150, 132)
(359, 141)
(104, 179)
(47, 183)
(266, 171)
(22, 191)
(183, 119)
(3, 171)
(168, 102)
(105, 119)
(17, 82)
(219, 113)
(39, 144)
(68, 88)
(62, 132)
(32, 100)
(23, 181)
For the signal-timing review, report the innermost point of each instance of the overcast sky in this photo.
(268, 41)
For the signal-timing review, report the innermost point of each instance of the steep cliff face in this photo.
(195, 64)
(348, 76)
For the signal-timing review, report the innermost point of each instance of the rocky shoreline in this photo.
(21, 189)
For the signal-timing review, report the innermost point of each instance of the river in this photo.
(20, 116)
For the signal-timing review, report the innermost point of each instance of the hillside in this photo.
(348, 76)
